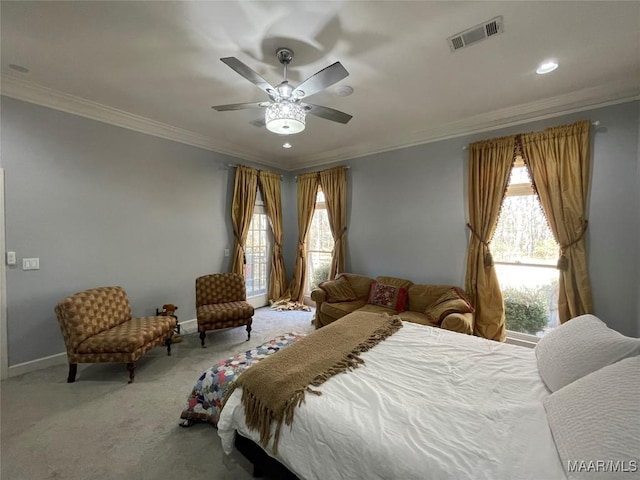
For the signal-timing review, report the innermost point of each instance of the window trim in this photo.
(262, 298)
(526, 264)
(322, 205)
(522, 189)
(524, 339)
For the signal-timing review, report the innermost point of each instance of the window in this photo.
(319, 245)
(257, 250)
(525, 254)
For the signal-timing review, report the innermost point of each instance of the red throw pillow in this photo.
(388, 296)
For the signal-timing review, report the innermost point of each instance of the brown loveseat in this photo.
(97, 326)
(417, 306)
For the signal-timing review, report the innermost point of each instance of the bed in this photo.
(205, 401)
(429, 403)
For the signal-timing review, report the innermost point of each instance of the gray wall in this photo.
(101, 205)
(407, 211)
(637, 293)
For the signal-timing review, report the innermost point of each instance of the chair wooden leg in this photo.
(73, 369)
(131, 366)
(248, 332)
(167, 342)
(202, 337)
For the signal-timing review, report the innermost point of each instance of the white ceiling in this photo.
(154, 67)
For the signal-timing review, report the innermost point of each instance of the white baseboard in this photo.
(61, 358)
(188, 324)
(38, 364)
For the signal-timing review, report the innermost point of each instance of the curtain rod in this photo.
(347, 167)
(233, 165)
(595, 123)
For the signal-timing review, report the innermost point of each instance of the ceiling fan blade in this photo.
(249, 74)
(239, 106)
(328, 113)
(321, 80)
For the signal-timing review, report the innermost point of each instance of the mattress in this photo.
(428, 403)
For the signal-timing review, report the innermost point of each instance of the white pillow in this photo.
(578, 347)
(595, 422)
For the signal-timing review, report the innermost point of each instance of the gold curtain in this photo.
(307, 191)
(272, 198)
(243, 203)
(334, 185)
(490, 163)
(558, 159)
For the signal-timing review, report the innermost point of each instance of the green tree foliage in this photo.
(522, 233)
(526, 309)
(320, 274)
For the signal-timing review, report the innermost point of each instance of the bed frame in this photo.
(263, 464)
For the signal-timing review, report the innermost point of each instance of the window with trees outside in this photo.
(257, 250)
(525, 256)
(319, 246)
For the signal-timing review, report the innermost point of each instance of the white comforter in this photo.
(427, 404)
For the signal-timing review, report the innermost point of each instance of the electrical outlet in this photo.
(11, 258)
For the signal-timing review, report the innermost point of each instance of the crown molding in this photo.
(582, 100)
(64, 102)
(586, 99)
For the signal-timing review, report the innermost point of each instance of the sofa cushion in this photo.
(458, 322)
(377, 309)
(453, 301)
(339, 310)
(395, 281)
(128, 336)
(88, 313)
(338, 290)
(221, 312)
(423, 296)
(416, 317)
(388, 296)
(360, 283)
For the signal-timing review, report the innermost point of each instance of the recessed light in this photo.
(287, 145)
(18, 68)
(344, 90)
(546, 67)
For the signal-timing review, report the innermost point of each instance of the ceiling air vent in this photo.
(475, 34)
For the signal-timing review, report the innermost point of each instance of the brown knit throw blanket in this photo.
(274, 387)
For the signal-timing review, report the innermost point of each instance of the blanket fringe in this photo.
(259, 417)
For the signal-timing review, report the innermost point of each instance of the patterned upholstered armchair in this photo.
(221, 303)
(97, 326)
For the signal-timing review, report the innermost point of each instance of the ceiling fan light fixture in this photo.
(285, 118)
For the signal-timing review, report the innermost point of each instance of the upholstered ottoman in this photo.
(206, 399)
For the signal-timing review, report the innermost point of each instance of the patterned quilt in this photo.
(205, 401)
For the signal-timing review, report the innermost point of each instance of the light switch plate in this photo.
(11, 258)
(30, 264)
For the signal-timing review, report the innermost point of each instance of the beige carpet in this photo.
(102, 428)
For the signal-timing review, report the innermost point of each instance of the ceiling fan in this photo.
(285, 112)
